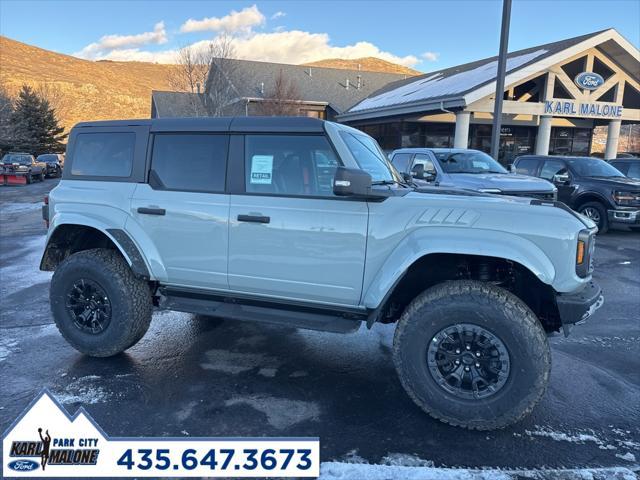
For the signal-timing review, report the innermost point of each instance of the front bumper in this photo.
(575, 307)
(627, 216)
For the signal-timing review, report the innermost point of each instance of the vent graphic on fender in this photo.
(448, 216)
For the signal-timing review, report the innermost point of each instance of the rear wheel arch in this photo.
(68, 239)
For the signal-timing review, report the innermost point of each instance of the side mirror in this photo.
(418, 171)
(430, 175)
(407, 177)
(512, 168)
(561, 179)
(351, 182)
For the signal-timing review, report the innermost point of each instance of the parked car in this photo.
(630, 166)
(233, 217)
(464, 168)
(590, 186)
(20, 167)
(54, 162)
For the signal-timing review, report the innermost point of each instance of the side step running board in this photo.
(245, 308)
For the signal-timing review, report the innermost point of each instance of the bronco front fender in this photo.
(426, 241)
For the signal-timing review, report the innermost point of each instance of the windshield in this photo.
(469, 162)
(593, 167)
(370, 157)
(16, 158)
(48, 157)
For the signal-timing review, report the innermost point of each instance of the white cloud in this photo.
(430, 56)
(281, 45)
(236, 22)
(108, 43)
(277, 15)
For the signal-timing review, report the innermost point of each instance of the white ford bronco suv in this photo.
(303, 222)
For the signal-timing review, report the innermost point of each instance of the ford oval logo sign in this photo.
(23, 465)
(589, 80)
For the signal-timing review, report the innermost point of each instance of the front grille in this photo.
(538, 195)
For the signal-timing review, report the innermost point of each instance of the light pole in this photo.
(502, 65)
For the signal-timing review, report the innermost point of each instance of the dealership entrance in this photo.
(555, 96)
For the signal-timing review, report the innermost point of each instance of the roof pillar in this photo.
(613, 134)
(544, 135)
(461, 138)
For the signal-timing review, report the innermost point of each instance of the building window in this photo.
(570, 141)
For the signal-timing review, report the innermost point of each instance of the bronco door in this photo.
(289, 236)
(183, 209)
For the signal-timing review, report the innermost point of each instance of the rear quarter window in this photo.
(104, 154)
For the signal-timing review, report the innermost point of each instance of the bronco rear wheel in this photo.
(472, 355)
(98, 305)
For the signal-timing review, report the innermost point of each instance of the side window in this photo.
(527, 166)
(551, 168)
(190, 162)
(622, 166)
(634, 170)
(104, 154)
(401, 161)
(425, 161)
(289, 165)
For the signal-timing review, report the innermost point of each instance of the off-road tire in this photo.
(603, 224)
(493, 309)
(130, 298)
(29, 178)
(41, 176)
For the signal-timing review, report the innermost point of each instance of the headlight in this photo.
(490, 190)
(584, 253)
(22, 167)
(626, 198)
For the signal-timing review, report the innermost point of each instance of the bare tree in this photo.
(220, 90)
(283, 100)
(206, 72)
(60, 101)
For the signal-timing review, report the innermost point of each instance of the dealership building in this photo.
(555, 95)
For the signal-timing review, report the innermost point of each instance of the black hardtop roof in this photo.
(557, 157)
(217, 124)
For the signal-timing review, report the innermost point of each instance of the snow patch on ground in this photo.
(405, 460)
(234, 362)
(7, 347)
(629, 457)
(26, 272)
(82, 390)
(354, 471)
(17, 207)
(281, 412)
(572, 438)
(268, 372)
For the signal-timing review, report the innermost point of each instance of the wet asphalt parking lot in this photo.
(196, 376)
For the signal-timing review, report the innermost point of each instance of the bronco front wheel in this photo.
(472, 355)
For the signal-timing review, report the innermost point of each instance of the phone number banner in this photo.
(45, 441)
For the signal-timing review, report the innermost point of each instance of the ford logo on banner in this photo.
(23, 465)
(589, 80)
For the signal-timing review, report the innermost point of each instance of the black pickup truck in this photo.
(590, 186)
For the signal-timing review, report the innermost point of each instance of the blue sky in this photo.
(426, 35)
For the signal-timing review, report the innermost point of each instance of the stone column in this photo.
(544, 135)
(613, 134)
(461, 138)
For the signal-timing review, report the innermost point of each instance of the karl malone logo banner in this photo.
(45, 441)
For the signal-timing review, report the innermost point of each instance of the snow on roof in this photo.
(438, 85)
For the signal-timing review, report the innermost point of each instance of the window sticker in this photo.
(261, 169)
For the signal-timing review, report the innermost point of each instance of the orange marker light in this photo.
(580, 253)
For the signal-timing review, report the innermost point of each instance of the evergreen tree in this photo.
(6, 111)
(35, 127)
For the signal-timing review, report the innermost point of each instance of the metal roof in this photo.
(450, 87)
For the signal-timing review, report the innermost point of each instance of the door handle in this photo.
(152, 211)
(254, 218)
